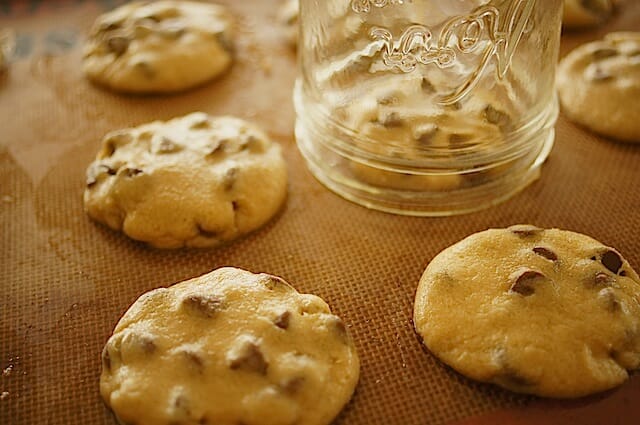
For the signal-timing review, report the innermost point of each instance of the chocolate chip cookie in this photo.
(599, 86)
(229, 347)
(546, 312)
(159, 47)
(195, 181)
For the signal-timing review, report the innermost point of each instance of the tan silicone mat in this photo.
(65, 280)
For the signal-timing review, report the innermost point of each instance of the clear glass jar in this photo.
(427, 107)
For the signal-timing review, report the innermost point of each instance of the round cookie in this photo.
(195, 181)
(288, 17)
(229, 347)
(547, 312)
(586, 13)
(159, 47)
(599, 86)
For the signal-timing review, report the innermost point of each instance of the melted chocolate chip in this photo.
(546, 253)
(293, 385)
(525, 283)
(118, 45)
(525, 230)
(131, 172)
(250, 359)
(282, 321)
(206, 306)
(612, 261)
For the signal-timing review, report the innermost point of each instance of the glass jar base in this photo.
(421, 193)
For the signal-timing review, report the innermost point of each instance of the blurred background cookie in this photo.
(586, 13)
(195, 181)
(229, 347)
(288, 18)
(541, 311)
(599, 86)
(159, 47)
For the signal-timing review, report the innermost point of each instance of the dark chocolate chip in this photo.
(166, 145)
(603, 279)
(546, 253)
(497, 117)
(118, 44)
(601, 76)
(525, 283)
(235, 205)
(282, 321)
(612, 261)
(293, 385)
(194, 361)
(272, 282)
(459, 139)
(392, 120)
(229, 179)
(250, 359)
(525, 230)
(605, 52)
(106, 358)
(427, 86)
(206, 306)
(147, 344)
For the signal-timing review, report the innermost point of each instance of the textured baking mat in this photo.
(66, 280)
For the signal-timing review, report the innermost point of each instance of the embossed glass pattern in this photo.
(427, 107)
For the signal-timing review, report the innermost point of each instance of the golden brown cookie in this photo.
(159, 47)
(195, 181)
(229, 347)
(546, 312)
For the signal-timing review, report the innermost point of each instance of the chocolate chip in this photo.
(601, 76)
(610, 299)
(106, 358)
(282, 321)
(211, 234)
(392, 120)
(250, 358)
(97, 170)
(425, 134)
(460, 139)
(147, 344)
(427, 86)
(272, 282)
(525, 230)
(602, 279)
(546, 253)
(118, 44)
(497, 117)
(293, 385)
(131, 172)
(201, 124)
(605, 52)
(166, 145)
(194, 361)
(206, 306)
(525, 283)
(622, 273)
(612, 261)
(229, 178)
(235, 205)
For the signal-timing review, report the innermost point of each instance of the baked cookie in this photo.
(288, 17)
(599, 86)
(547, 312)
(159, 47)
(195, 181)
(7, 45)
(229, 347)
(586, 13)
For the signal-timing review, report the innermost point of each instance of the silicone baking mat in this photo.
(66, 280)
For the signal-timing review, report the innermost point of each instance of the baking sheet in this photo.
(65, 280)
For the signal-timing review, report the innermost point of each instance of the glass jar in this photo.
(427, 107)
